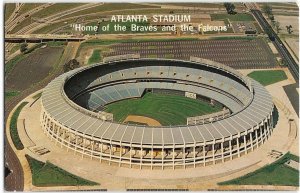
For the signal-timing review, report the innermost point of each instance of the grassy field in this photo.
(166, 109)
(10, 94)
(13, 127)
(96, 57)
(236, 17)
(47, 174)
(38, 95)
(9, 9)
(111, 7)
(274, 174)
(40, 63)
(267, 77)
(29, 6)
(11, 63)
(15, 48)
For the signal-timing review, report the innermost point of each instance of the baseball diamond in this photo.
(73, 113)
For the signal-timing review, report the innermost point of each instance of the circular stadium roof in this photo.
(71, 98)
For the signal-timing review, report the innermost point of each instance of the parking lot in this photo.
(239, 54)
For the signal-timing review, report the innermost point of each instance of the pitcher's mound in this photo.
(141, 120)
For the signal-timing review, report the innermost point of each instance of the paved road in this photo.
(15, 180)
(291, 63)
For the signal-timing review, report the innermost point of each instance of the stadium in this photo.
(75, 112)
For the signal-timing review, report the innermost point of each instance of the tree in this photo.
(230, 8)
(23, 47)
(277, 26)
(267, 9)
(289, 28)
(71, 65)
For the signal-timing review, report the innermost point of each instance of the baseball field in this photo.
(164, 108)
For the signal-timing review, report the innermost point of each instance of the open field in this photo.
(293, 44)
(274, 174)
(285, 20)
(267, 77)
(95, 57)
(166, 109)
(9, 9)
(238, 53)
(111, 7)
(39, 63)
(15, 48)
(47, 174)
(10, 94)
(13, 127)
(28, 7)
(288, 8)
(15, 181)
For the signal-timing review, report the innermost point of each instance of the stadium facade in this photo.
(73, 115)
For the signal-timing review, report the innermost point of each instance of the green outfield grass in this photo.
(47, 174)
(166, 109)
(267, 77)
(274, 174)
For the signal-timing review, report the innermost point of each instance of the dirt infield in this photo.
(141, 119)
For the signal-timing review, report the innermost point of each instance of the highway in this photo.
(14, 38)
(15, 180)
(291, 63)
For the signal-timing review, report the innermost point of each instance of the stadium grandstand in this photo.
(73, 113)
